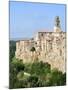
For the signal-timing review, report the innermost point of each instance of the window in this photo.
(35, 42)
(42, 34)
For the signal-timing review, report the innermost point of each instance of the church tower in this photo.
(57, 27)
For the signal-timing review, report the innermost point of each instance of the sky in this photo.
(27, 18)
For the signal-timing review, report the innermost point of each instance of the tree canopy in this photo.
(36, 74)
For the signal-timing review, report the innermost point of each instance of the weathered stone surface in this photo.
(49, 47)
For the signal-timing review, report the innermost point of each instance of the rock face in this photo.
(49, 47)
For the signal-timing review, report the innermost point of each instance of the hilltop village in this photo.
(45, 46)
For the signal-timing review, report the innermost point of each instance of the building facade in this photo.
(47, 47)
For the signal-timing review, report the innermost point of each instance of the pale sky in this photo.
(26, 18)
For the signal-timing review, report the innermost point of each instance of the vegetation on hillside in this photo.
(36, 74)
(12, 48)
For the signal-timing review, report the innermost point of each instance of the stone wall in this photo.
(49, 47)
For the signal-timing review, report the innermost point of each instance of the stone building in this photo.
(49, 47)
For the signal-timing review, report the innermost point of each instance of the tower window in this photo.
(42, 34)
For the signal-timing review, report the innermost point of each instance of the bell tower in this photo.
(57, 27)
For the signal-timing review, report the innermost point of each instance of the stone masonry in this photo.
(49, 47)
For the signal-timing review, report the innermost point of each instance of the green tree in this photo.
(12, 49)
(15, 68)
(57, 78)
(33, 80)
(40, 68)
(12, 76)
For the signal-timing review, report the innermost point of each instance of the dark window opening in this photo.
(42, 34)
